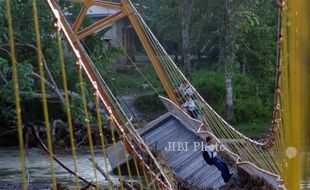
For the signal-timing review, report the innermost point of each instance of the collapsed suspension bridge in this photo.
(268, 158)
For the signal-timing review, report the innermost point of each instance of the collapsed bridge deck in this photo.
(164, 135)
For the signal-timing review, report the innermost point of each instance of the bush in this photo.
(211, 86)
(149, 103)
(249, 106)
(249, 109)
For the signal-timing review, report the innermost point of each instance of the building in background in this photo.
(119, 34)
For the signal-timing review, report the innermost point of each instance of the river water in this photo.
(38, 167)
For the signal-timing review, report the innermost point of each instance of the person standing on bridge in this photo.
(210, 156)
(191, 107)
(185, 90)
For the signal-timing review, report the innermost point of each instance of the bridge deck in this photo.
(187, 164)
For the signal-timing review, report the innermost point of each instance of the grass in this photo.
(130, 81)
(127, 83)
(253, 130)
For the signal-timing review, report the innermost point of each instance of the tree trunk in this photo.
(186, 16)
(221, 48)
(229, 92)
(229, 59)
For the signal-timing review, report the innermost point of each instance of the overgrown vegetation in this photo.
(28, 70)
(238, 46)
(249, 105)
(149, 103)
(232, 47)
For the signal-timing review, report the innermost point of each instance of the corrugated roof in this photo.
(97, 11)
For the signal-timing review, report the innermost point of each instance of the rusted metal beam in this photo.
(80, 18)
(100, 24)
(84, 60)
(150, 52)
(78, 48)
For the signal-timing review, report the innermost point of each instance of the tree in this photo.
(228, 36)
(186, 8)
(179, 27)
(26, 58)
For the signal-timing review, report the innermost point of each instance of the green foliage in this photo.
(249, 105)
(77, 104)
(105, 59)
(211, 86)
(123, 82)
(26, 58)
(25, 81)
(149, 103)
(249, 109)
(254, 130)
(252, 25)
(77, 110)
(151, 76)
(25, 84)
